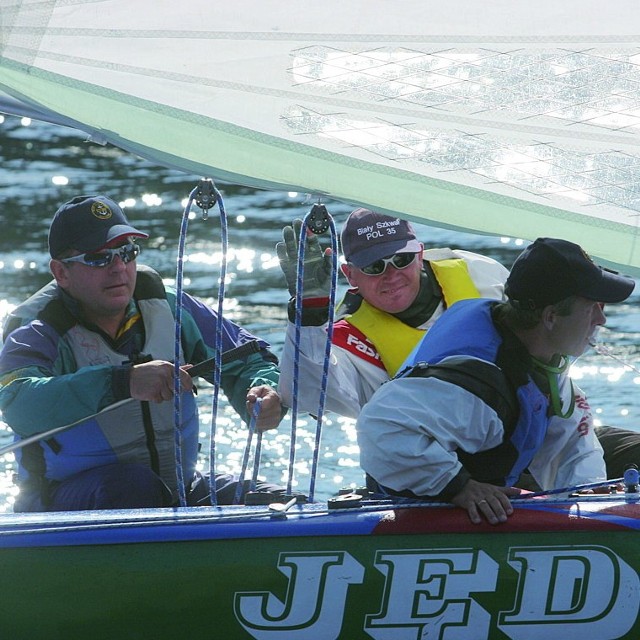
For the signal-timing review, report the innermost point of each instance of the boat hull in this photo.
(558, 569)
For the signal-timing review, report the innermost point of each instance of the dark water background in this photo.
(43, 165)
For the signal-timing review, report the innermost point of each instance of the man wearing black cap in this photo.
(492, 400)
(397, 291)
(102, 333)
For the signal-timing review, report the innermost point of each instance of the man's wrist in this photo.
(121, 382)
(315, 311)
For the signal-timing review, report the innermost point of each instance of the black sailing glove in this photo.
(317, 263)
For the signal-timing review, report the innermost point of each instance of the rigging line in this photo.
(256, 462)
(177, 395)
(322, 221)
(245, 460)
(606, 351)
(577, 487)
(296, 360)
(217, 372)
(327, 357)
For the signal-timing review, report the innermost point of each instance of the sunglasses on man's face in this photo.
(399, 261)
(127, 253)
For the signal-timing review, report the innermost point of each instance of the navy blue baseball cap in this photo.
(368, 236)
(550, 270)
(88, 223)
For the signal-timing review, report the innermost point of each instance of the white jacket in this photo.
(408, 434)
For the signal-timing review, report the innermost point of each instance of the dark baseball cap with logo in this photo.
(550, 270)
(368, 236)
(88, 223)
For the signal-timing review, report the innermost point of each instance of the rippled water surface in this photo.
(44, 165)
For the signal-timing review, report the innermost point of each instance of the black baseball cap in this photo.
(550, 269)
(88, 223)
(368, 236)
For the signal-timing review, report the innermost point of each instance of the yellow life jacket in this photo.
(393, 339)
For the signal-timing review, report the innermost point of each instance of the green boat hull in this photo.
(571, 572)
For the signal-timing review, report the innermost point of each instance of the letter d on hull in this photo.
(571, 592)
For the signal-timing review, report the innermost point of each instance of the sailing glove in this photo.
(317, 263)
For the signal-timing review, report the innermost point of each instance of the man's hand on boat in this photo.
(487, 501)
(153, 381)
(270, 408)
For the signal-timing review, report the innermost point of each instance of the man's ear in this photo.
(548, 317)
(59, 271)
(346, 271)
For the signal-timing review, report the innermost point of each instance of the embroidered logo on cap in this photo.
(101, 211)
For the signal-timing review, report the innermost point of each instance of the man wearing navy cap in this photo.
(397, 291)
(484, 396)
(102, 333)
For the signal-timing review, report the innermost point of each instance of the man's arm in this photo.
(355, 370)
(239, 377)
(409, 434)
(411, 428)
(38, 394)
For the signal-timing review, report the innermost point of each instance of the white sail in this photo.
(511, 118)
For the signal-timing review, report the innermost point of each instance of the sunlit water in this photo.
(43, 165)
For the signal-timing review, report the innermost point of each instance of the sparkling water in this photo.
(44, 165)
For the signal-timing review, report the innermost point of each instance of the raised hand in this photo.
(317, 263)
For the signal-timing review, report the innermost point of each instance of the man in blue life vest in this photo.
(102, 333)
(484, 395)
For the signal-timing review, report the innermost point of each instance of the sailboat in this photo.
(515, 119)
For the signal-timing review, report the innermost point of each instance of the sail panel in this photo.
(504, 119)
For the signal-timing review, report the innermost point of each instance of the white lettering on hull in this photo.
(570, 590)
(565, 591)
(315, 600)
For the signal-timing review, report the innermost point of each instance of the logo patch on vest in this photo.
(350, 339)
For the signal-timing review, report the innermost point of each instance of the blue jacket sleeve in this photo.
(199, 326)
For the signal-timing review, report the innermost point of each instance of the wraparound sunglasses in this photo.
(104, 258)
(398, 260)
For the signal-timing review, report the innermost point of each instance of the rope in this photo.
(577, 487)
(217, 372)
(327, 359)
(207, 188)
(256, 462)
(245, 460)
(296, 360)
(177, 389)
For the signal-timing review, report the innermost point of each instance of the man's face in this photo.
(571, 334)
(103, 292)
(392, 291)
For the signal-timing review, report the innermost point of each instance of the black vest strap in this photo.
(482, 379)
(490, 384)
